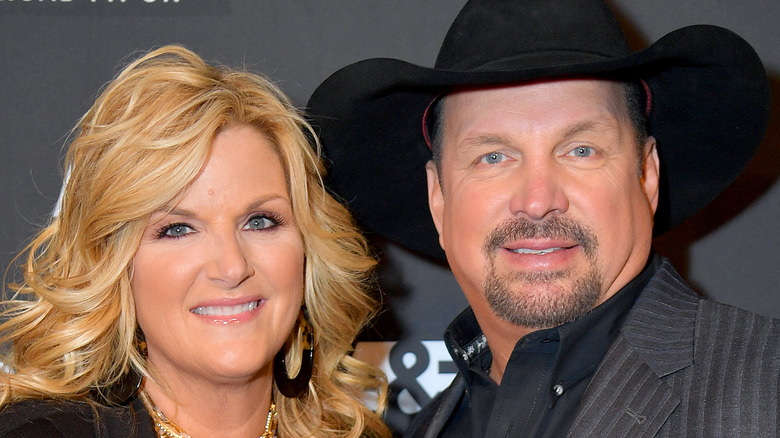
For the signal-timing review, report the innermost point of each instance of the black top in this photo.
(547, 373)
(74, 419)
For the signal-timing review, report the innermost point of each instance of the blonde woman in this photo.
(198, 279)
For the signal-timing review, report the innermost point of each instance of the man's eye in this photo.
(174, 230)
(582, 151)
(260, 223)
(493, 158)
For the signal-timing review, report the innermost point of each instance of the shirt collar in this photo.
(582, 341)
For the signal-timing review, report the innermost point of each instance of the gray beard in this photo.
(548, 304)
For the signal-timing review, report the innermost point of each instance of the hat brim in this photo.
(710, 99)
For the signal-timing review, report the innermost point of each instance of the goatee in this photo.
(547, 303)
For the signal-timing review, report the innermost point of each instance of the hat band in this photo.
(425, 130)
(648, 97)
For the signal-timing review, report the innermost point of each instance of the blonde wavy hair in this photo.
(71, 323)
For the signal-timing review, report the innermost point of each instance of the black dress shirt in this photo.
(547, 373)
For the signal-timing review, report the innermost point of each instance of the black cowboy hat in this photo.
(708, 89)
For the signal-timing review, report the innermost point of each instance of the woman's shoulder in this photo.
(66, 419)
(47, 418)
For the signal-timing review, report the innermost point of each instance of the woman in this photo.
(196, 247)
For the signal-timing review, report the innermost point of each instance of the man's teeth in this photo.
(534, 251)
(225, 310)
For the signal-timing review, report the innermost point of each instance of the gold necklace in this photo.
(270, 422)
(166, 428)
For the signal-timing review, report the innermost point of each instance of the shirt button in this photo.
(558, 390)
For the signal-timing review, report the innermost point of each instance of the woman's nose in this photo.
(229, 263)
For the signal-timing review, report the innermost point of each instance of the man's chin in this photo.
(543, 300)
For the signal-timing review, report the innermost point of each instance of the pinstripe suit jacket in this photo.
(682, 366)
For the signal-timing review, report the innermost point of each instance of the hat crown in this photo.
(491, 34)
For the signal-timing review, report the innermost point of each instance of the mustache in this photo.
(556, 227)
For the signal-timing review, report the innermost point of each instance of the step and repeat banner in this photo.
(56, 54)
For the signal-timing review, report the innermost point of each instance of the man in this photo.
(556, 154)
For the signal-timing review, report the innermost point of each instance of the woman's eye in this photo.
(260, 223)
(174, 230)
(582, 151)
(493, 158)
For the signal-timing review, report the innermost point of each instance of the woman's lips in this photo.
(226, 310)
(230, 311)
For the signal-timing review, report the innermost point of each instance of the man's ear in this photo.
(435, 198)
(651, 173)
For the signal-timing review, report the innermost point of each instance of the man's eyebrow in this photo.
(585, 126)
(482, 140)
(489, 139)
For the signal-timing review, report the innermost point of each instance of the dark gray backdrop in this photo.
(55, 56)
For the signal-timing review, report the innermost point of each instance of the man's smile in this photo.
(535, 251)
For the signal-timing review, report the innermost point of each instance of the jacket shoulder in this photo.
(715, 312)
(733, 384)
(50, 419)
(737, 336)
(71, 419)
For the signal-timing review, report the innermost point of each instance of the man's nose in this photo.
(538, 191)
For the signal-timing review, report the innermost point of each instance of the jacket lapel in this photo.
(443, 411)
(628, 395)
(625, 398)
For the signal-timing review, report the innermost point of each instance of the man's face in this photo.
(540, 206)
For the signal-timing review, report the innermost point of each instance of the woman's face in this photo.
(218, 277)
